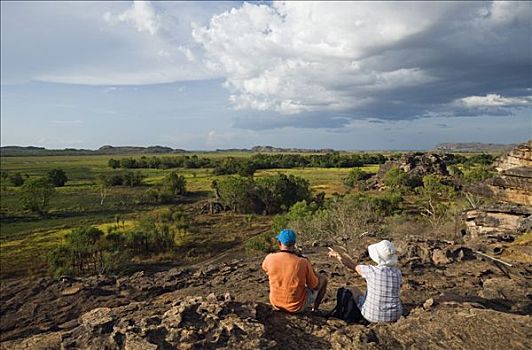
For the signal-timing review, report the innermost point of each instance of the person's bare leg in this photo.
(322, 288)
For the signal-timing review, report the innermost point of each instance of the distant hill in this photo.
(474, 147)
(41, 151)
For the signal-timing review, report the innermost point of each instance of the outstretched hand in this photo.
(343, 258)
(334, 254)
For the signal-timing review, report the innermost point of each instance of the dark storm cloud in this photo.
(455, 59)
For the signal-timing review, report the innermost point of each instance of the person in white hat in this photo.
(381, 302)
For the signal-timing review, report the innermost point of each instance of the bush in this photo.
(176, 184)
(82, 252)
(279, 192)
(57, 177)
(268, 195)
(264, 242)
(477, 174)
(342, 217)
(36, 194)
(356, 178)
(16, 179)
(132, 179)
(114, 180)
(395, 179)
(239, 194)
(434, 199)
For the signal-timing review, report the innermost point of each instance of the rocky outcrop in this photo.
(451, 300)
(512, 188)
(416, 164)
(519, 157)
(499, 220)
(513, 183)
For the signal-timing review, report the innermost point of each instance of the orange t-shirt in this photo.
(289, 274)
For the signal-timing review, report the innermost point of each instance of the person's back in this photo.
(294, 286)
(288, 275)
(381, 302)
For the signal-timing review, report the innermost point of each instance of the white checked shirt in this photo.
(381, 302)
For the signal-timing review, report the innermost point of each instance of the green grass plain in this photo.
(25, 238)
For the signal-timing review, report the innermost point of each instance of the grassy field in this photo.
(25, 238)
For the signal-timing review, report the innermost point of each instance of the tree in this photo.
(247, 168)
(279, 192)
(103, 185)
(237, 193)
(176, 183)
(132, 179)
(16, 180)
(57, 177)
(113, 163)
(36, 194)
(83, 251)
(434, 199)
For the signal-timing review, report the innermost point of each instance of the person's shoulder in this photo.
(269, 256)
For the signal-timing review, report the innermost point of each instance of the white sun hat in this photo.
(383, 253)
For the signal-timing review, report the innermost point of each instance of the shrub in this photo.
(36, 194)
(342, 217)
(238, 193)
(434, 199)
(114, 180)
(57, 177)
(264, 242)
(16, 179)
(268, 195)
(477, 174)
(175, 183)
(279, 192)
(356, 178)
(395, 178)
(132, 179)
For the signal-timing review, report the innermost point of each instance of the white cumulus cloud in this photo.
(388, 60)
(494, 100)
(141, 14)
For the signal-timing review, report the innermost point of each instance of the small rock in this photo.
(439, 257)
(228, 297)
(72, 290)
(428, 304)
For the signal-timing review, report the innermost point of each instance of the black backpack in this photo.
(346, 308)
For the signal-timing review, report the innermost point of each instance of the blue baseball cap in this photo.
(287, 236)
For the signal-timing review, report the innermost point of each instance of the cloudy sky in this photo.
(206, 75)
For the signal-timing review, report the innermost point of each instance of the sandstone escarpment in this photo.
(512, 191)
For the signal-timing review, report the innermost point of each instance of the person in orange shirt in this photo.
(294, 286)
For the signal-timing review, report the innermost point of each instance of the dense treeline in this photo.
(230, 165)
